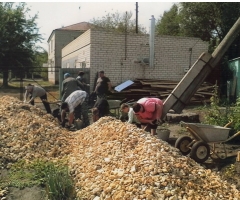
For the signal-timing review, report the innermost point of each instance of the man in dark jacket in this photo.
(69, 85)
(103, 86)
(81, 79)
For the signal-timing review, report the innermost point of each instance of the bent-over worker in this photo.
(149, 112)
(101, 109)
(36, 91)
(75, 104)
(132, 119)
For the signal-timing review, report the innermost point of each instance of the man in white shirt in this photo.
(36, 91)
(75, 104)
(132, 119)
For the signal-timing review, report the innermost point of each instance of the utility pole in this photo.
(136, 17)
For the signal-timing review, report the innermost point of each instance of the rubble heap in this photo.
(109, 159)
(27, 132)
(115, 160)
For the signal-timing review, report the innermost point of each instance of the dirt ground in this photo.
(37, 193)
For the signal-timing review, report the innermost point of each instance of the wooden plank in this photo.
(157, 82)
(163, 86)
(199, 95)
(164, 95)
(138, 90)
(163, 92)
(205, 88)
(206, 93)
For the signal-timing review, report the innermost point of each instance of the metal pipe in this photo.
(151, 42)
(136, 17)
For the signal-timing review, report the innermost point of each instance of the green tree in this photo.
(209, 21)
(117, 22)
(18, 38)
(169, 23)
(39, 59)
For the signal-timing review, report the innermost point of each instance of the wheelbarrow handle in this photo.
(228, 124)
(236, 134)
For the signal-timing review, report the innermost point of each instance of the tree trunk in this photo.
(5, 79)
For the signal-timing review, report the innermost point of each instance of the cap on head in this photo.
(102, 72)
(66, 75)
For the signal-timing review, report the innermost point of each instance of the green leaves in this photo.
(206, 20)
(118, 22)
(18, 36)
(169, 23)
(53, 176)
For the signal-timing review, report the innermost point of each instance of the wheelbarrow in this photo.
(202, 144)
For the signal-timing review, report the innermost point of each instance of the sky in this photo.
(54, 15)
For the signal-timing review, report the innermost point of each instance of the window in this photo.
(83, 64)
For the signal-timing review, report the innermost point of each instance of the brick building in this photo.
(56, 41)
(122, 56)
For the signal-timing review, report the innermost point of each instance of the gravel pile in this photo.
(109, 159)
(27, 132)
(114, 160)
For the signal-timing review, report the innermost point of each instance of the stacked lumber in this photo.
(160, 89)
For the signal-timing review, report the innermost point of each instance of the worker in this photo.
(76, 105)
(69, 85)
(149, 111)
(132, 119)
(101, 109)
(103, 86)
(81, 79)
(34, 91)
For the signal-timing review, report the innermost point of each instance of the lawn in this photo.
(16, 88)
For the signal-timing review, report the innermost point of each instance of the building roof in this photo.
(82, 26)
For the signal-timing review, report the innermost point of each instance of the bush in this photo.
(216, 115)
(53, 176)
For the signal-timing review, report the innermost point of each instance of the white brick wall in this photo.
(107, 51)
(59, 39)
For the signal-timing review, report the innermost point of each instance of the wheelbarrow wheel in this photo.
(200, 152)
(182, 144)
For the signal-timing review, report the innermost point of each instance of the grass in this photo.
(54, 177)
(15, 88)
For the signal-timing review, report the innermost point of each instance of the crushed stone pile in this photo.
(109, 159)
(27, 132)
(114, 160)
